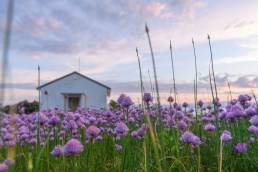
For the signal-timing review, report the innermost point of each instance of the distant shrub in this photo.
(21, 107)
(113, 104)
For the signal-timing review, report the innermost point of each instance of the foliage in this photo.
(22, 107)
(113, 105)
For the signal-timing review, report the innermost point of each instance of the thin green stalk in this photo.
(140, 71)
(145, 156)
(221, 156)
(173, 71)
(254, 97)
(195, 81)
(199, 159)
(211, 87)
(154, 141)
(229, 89)
(212, 66)
(155, 73)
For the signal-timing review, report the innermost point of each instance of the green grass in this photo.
(164, 152)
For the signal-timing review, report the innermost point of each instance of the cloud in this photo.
(251, 56)
(164, 86)
(239, 84)
(239, 24)
(249, 43)
(79, 26)
(23, 86)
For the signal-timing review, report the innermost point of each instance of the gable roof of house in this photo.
(48, 83)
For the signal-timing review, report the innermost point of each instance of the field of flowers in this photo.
(130, 138)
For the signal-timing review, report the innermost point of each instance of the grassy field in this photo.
(132, 139)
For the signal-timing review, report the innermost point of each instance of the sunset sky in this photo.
(104, 35)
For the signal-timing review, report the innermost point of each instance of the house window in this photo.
(72, 102)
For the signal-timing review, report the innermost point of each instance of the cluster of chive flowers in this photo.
(190, 138)
(73, 147)
(4, 166)
(87, 126)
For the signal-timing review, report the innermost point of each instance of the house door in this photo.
(73, 103)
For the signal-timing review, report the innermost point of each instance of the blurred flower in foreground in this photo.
(3, 167)
(73, 147)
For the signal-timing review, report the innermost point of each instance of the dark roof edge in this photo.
(48, 83)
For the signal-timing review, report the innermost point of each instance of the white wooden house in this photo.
(73, 90)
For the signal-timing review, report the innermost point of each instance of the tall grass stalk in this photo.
(229, 89)
(173, 71)
(212, 67)
(221, 156)
(151, 85)
(196, 81)
(154, 71)
(154, 141)
(140, 72)
(145, 155)
(254, 96)
(211, 87)
(5, 50)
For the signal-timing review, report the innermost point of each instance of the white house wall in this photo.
(96, 95)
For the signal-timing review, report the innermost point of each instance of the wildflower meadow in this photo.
(176, 136)
(221, 138)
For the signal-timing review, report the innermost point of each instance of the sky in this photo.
(104, 35)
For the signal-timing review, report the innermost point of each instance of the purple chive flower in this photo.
(42, 118)
(200, 103)
(242, 98)
(233, 102)
(57, 151)
(254, 120)
(189, 138)
(241, 147)
(127, 102)
(209, 127)
(121, 98)
(73, 147)
(99, 138)
(140, 132)
(209, 107)
(226, 136)
(108, 114)
(222, 115)
(216, 102)
(118, 147)
(9, 162)
(182, 125)
(250, 111)
(185, 104)
(93, 131)
(3, 167)
(253, 129)
(121, 129)
(170, 99)
(147, 98)
(54, 120)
